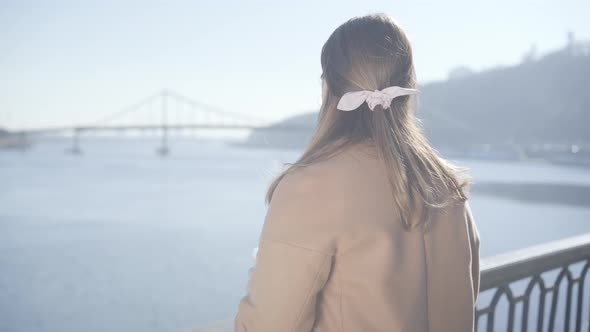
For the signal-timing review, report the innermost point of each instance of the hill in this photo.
(538, 101)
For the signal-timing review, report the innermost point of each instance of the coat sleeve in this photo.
(293, 261)
(475, 256)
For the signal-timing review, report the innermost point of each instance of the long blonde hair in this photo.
(368, 53)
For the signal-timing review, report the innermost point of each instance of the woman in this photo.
(370, 230)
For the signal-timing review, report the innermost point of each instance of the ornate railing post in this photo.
(515, 275)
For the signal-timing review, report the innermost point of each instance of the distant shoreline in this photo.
(542, 193)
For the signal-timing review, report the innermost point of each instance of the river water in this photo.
(120, 239)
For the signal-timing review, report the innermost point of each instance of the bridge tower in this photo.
(164, 149)
(75, 148)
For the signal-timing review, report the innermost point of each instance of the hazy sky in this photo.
(74, 62)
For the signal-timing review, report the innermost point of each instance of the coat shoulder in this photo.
(311, 205)
(318, 178)
(333, 172)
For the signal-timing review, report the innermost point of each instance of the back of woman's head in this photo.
(371, 53)
(367, 53)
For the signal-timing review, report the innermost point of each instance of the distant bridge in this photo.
(169, 111)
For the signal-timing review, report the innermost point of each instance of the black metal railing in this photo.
(533, 289)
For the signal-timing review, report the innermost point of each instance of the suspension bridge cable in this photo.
(213, 109)
(127, 110)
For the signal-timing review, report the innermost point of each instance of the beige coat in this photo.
(332, 257)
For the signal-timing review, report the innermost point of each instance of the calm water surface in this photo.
(119, 239)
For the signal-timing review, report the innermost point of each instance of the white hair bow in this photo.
(352, 100)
